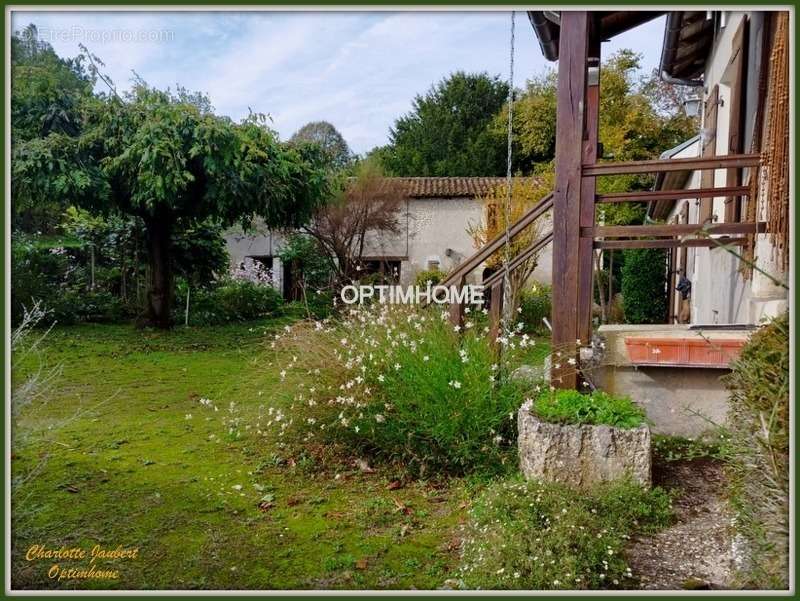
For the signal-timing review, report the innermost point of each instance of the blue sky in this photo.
(358, 70)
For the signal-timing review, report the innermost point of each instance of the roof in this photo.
(452, 187)
(546, 26)
(673, 152)
(688, 38)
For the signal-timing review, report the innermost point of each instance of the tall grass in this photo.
(400, 384)
(758, 452)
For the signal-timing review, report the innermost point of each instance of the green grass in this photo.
(111, 456)
(572, 407)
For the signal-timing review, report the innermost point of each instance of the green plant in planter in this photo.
(597, 408)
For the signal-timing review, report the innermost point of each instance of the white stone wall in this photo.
(432, 229)
(720, 295)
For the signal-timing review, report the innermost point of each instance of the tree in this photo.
(158, 156)
(332, 144)
(46, 92)
(369, 204)
(447, 131)
(534, 124)
(524, 195)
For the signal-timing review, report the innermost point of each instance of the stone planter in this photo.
(581, 455)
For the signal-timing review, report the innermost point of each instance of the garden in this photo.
(192, 427)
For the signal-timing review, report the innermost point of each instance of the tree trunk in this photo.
(159, 293)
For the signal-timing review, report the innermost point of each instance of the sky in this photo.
(358, 70)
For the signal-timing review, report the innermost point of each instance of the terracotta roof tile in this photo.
(451, 187)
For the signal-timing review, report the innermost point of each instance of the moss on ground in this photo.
(120, 452)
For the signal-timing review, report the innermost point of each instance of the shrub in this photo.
(531, 535)
(400, 385)
(434, 276)
(312, 265)
(54, 278)
(573, 407)
(644, 292)
(230, 301)
(36, 274)
(318, 304)
(759, 452)
(536, 305)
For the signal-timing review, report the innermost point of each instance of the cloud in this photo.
(358, 70)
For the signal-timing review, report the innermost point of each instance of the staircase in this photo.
(495, 281)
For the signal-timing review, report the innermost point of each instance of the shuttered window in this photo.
(709, 140)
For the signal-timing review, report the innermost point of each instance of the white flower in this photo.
(188, 416)
(237, 487)
(426, 358)
(379, 418)
(455, 384)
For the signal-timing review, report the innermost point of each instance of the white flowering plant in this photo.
(546, 536)
(399, 384)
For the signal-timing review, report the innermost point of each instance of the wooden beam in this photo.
(457, 309)
(737, 66)
(670, 243)
(709, 149)
(520, 258)
(655, 195)
(663, 165)
(495, 312)
(677, 229)
(570, 103)
(589, 184)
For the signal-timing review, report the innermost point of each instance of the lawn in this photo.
(121, 452)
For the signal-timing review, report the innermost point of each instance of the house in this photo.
(435, 218)
(721, 207)
(739, 93)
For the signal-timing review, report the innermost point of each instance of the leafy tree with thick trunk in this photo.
(167, 159)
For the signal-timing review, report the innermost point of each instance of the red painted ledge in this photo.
(682, 352)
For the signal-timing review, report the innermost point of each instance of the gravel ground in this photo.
(696, 552)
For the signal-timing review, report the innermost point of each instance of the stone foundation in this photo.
(581, 455)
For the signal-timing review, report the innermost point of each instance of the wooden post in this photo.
(572, 60)
(495, 312)
(457, 309)
(588, 189)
